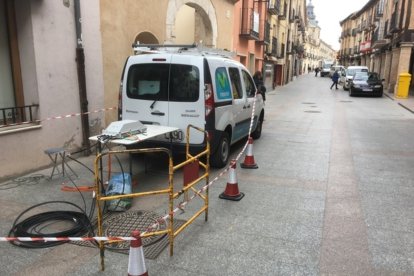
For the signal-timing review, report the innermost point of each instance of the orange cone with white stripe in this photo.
(249, 162)
(136, 262)
(232, 188)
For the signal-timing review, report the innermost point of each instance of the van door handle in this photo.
(248, 106)
(158, 113)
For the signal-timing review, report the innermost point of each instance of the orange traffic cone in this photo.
(232, 189)
(249, 158)
(136, 262)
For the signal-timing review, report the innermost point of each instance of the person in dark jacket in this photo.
(316, 71)
(258, 81)
(335, 78)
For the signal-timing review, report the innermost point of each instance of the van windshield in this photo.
(163, 82)
(351, 72)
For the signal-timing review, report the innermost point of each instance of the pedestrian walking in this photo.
(335, 78)
(258, 81)
(316, 71)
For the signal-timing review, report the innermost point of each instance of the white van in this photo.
(178, 86)
(326, 67)
(349, 73)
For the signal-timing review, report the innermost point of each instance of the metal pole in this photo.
(83, 99)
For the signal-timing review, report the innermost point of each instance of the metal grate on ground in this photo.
(117, 224)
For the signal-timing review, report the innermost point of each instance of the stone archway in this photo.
(146, 38)
(205, 21)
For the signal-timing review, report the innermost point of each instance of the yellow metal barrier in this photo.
(190, 159)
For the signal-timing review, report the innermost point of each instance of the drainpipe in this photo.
(80, 61)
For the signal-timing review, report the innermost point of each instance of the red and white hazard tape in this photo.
(65, 116)
(78, 114)
(50, 239)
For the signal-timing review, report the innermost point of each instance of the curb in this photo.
(400, 104)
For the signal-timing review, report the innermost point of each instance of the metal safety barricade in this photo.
(191, 179)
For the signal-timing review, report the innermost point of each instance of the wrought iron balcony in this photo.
(379, 11)
(283, 12)
(394, 26)
(10, 116)
(249, 24)
(264, 36)
(274, 7)
(274, 47)
(282, 50)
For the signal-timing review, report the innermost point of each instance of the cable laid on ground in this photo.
(36, 225)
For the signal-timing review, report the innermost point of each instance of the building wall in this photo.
(47, 46)
(249, 52)
(185, 22)
(120, 29)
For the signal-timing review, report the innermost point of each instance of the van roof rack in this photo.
(179, 48)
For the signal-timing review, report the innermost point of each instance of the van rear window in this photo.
(163, 82)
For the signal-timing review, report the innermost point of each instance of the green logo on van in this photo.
(222, 84)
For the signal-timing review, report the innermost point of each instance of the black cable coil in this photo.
(37, 226)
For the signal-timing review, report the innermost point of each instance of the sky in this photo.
(328, 13)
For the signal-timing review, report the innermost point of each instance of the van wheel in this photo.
(258, 131)
(220, 158)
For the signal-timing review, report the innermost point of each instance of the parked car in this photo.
(338, 68)
(348, 74)
(366, 83)
(181, 86)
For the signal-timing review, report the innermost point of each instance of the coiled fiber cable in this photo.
(36, 225)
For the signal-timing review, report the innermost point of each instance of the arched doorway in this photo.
(146, 38)
(191, 21)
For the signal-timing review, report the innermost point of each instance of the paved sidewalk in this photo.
(406, 103)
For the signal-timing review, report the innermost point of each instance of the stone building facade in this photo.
(380, 36)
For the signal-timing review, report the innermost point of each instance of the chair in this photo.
(54, 154)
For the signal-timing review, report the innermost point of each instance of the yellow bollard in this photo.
(403, 87)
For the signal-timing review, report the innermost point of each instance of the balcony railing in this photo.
(387, 33)
(354, 32)
(356, 50)
(10, 116)
(274, 47)
(274, 7)
(379, 11)
(394, 28)
(282, 50)
(249, 24)
(283, 12)
(288, 47)
(264, 36)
